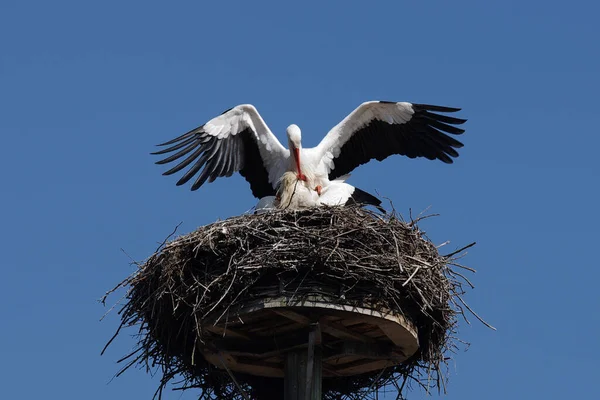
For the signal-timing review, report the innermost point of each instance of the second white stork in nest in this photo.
(295, 194)
(239, 140)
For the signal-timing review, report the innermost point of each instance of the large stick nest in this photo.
(348, 252)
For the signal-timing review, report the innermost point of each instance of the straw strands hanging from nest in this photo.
(348, 255)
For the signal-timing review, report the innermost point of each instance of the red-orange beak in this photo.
(297, 159)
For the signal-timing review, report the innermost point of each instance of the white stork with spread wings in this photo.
(240, 141)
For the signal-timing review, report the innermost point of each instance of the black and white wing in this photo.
(236, 141)
(379, 129)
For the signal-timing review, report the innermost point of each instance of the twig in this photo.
(237, 385)
(412, 275)
(474, 313)
(459, 250)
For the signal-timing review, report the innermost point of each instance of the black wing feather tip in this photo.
(431, 107)
(177, 139)
(205, 160)
(185, 162)
(202, 162)
(201, 178)
(180, 153)
(175, 147)
(181, 137)
(446, 128)
(441, 118)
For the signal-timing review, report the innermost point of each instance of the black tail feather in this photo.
(362, 197)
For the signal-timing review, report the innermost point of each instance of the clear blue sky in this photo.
(87, 89)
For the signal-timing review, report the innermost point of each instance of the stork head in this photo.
(294, 137)
(294, 143)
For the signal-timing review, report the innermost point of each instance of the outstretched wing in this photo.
(236, 141)
(379, 129)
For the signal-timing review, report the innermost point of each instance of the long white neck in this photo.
(308, 169)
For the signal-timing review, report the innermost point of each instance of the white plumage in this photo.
(240, 141)
(296, 194)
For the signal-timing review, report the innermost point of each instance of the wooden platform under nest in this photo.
(353, 340)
